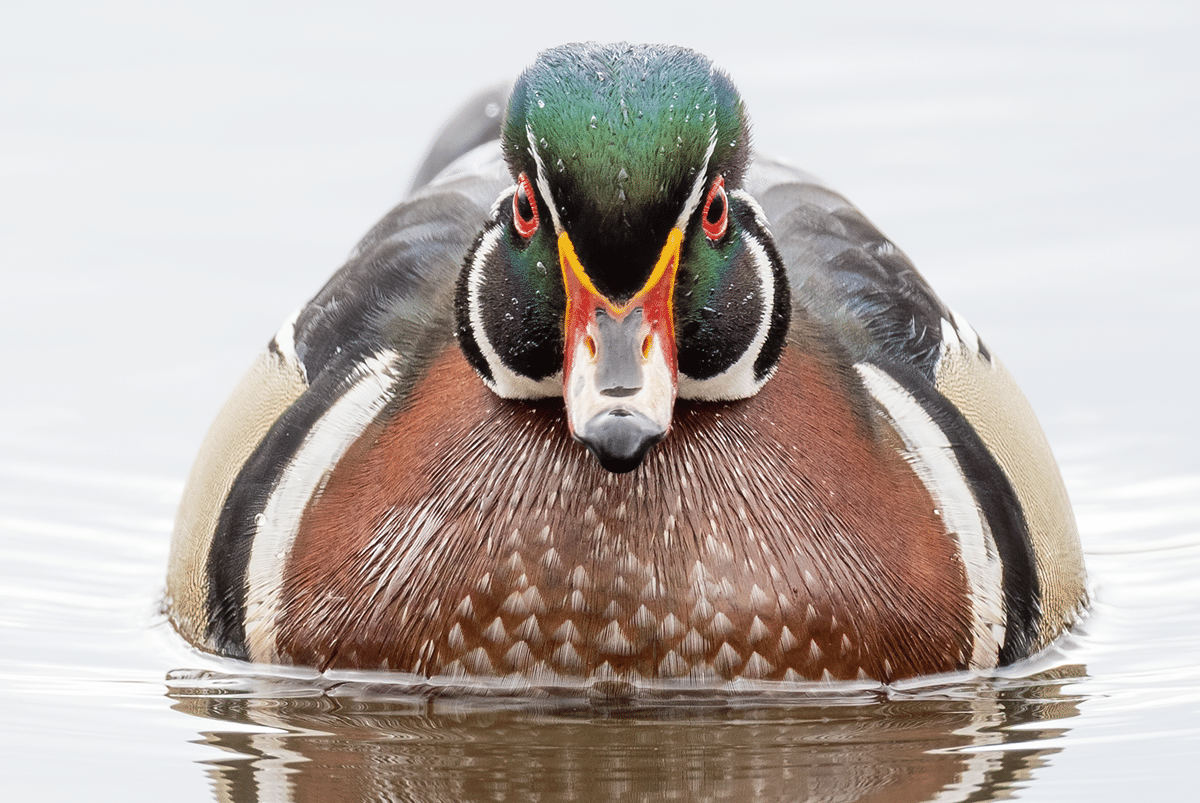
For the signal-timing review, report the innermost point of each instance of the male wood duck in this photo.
(605, 402)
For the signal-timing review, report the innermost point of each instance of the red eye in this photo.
(525, 211)
(716, 211)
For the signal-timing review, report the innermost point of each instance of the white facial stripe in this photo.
(930, 454)
(324, 446)
(738, 382)
(543, 180)
(699, 184)
(505, 383)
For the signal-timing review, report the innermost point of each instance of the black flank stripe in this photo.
(229, 557)
(998, 500)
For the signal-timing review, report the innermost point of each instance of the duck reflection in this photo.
(303, 742)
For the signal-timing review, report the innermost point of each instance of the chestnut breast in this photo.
(779, 537)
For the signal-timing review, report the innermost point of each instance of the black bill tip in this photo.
(620, 439)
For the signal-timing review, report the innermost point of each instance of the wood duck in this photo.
(605, 402)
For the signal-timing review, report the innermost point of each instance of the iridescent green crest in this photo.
(620, 132)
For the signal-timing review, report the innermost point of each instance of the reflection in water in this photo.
(356, 743)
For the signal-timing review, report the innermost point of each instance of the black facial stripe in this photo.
(717, 339)
(519, 302)
(717, 333)
(521, 330)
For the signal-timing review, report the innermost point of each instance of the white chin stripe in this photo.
(371, 386)
(931, 456)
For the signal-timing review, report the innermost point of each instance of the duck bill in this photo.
(620, 373)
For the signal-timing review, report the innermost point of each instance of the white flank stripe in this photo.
(932, 458)
(323, 447)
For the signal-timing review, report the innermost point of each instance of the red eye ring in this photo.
(525, 211)
(716, 205)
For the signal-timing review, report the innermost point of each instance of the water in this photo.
(176, 179)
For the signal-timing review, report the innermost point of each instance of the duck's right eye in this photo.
(525, 211)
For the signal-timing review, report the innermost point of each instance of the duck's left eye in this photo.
(715, 218)
(525, 211)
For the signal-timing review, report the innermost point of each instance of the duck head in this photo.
(625, 267)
